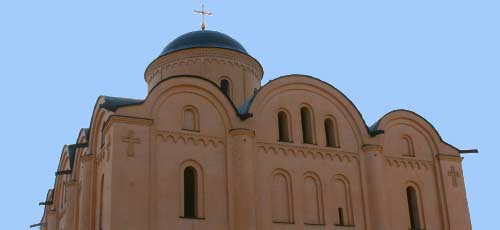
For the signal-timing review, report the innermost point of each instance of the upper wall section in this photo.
(295, 94)
(215, 64)
(409, 134)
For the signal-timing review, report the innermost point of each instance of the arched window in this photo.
(283, 130)
(343, 202)
(101, 198)
(281, 198)
(190, 192)
(225, 86)
(411, 194)
(407, 147)
(313, 200)
(331, 133)
(190, 119)
(307, 126)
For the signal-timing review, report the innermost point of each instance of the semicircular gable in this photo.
(103, 108)
(328, 98)
(180, 91)
(49, 200)
(80, 144)
(405, 124)
(59, 180)
(64, 159)
(96, 126)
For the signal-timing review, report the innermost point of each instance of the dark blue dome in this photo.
(203, 39)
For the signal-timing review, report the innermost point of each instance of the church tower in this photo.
(212, 55)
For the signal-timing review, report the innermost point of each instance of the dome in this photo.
(203, 39)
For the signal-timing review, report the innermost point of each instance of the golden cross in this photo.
(203, 13)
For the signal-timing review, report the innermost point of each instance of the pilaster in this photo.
(374, 177)
(242, 175)
(51, 220)
(71, 188)
(454, 189)
(129, 182)
(86, 179)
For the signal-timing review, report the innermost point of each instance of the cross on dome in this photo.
(203, 13)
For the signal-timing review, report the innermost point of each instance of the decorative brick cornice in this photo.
(407, 163)
(449, 158)
(160, 70)
(306, 152)
(190, 139)
(164, 64)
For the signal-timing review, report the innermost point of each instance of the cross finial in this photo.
(203, 13)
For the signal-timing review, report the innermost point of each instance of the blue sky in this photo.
(440, 59)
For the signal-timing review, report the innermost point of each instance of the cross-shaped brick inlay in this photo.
(454, 175)
(131, 140)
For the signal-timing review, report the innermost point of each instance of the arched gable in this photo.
(308, 86)
(80, 146)
(99, 116)
(187, 85)
(407, 124)
(64, 165)
(49, 205)
(106, 106)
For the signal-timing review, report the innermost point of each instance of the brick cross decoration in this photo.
(454, 175)
(130, 140)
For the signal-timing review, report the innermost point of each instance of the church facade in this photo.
(212, 148)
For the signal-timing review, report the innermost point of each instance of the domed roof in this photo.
(203, 39)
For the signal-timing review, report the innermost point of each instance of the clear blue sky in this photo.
(440, 59)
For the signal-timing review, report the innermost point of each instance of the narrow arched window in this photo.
(312, 201)
(190, 119)
(281, 198)
(283, 130)
(225, 87)
(190, 192)
(101, 198)
(413, 208)
(343, 202)
(331, 133)
(407, 146)
(307, 130)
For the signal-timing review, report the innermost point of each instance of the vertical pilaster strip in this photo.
(377, 199)
(128, 173)
(51, 220)
(242, 149)
(71, 204)
(456, 205)
(86, 174)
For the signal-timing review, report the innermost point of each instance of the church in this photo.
(211, 148)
